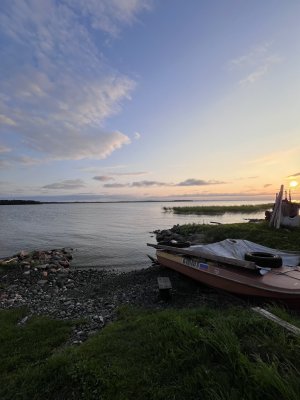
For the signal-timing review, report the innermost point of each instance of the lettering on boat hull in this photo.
(194, 263)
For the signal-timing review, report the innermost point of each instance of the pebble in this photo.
(91, 295)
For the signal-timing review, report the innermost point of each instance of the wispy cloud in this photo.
(110, 15)
(252, 56)
(115, 185)
(138, 173)
(198, 182)
(255, 64)
(137, 135)
(57, 88)
(5, 149)
(293, 175)
(6, 120)
(111, 175)
(25, 160)
(66, 185)
(255, 75)
(103, 178)
(147, 184)
(139, 184)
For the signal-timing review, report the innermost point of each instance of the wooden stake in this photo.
(281, 322)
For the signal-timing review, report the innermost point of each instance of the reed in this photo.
(220, 210)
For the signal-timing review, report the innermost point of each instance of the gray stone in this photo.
(25, 264)
(23, 321)
(42, 266)
(42, 282)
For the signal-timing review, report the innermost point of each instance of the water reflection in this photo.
(104, 235)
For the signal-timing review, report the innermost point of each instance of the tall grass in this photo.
(188, 354)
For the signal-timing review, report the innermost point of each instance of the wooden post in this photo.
(164, 286)
(276, 214)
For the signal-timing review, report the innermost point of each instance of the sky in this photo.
(149, 99)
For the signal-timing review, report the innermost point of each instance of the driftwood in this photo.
(292, 328)
(206, 255)
(11, 260)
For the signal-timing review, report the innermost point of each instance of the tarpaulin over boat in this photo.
(237, 248)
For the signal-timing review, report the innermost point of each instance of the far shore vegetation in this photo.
(18, 202)
(29, 202)
(203, 353)
(220, 210)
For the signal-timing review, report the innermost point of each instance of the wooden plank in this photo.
(292, 328)
(164, 283)
(275, 217)
(207, 256)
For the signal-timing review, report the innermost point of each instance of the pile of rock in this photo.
(167, 235)
(42, 262)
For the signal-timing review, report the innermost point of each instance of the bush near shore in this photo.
(189, 354)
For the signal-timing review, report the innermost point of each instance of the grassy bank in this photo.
(220, 210)
(202, 353)
(286, 239)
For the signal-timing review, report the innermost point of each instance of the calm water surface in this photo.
(107, 235)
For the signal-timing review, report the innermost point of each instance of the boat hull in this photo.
(237, 280)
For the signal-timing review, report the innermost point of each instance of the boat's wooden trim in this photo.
(206, 256)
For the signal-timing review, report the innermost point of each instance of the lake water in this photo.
(105, 235)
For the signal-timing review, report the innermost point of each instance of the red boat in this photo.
(256, 273)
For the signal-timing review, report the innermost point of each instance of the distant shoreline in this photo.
(34, 202)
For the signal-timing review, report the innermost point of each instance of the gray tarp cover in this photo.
(236, 248)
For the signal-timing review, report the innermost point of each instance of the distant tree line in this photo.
(16, 202)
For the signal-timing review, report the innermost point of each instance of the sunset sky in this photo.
(149, 99)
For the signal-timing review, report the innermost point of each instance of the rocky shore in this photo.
(167, 235)
(45, 284)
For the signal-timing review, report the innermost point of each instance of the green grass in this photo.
(220, 210)
(202, 354)
(286, 239)
(23, 348)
